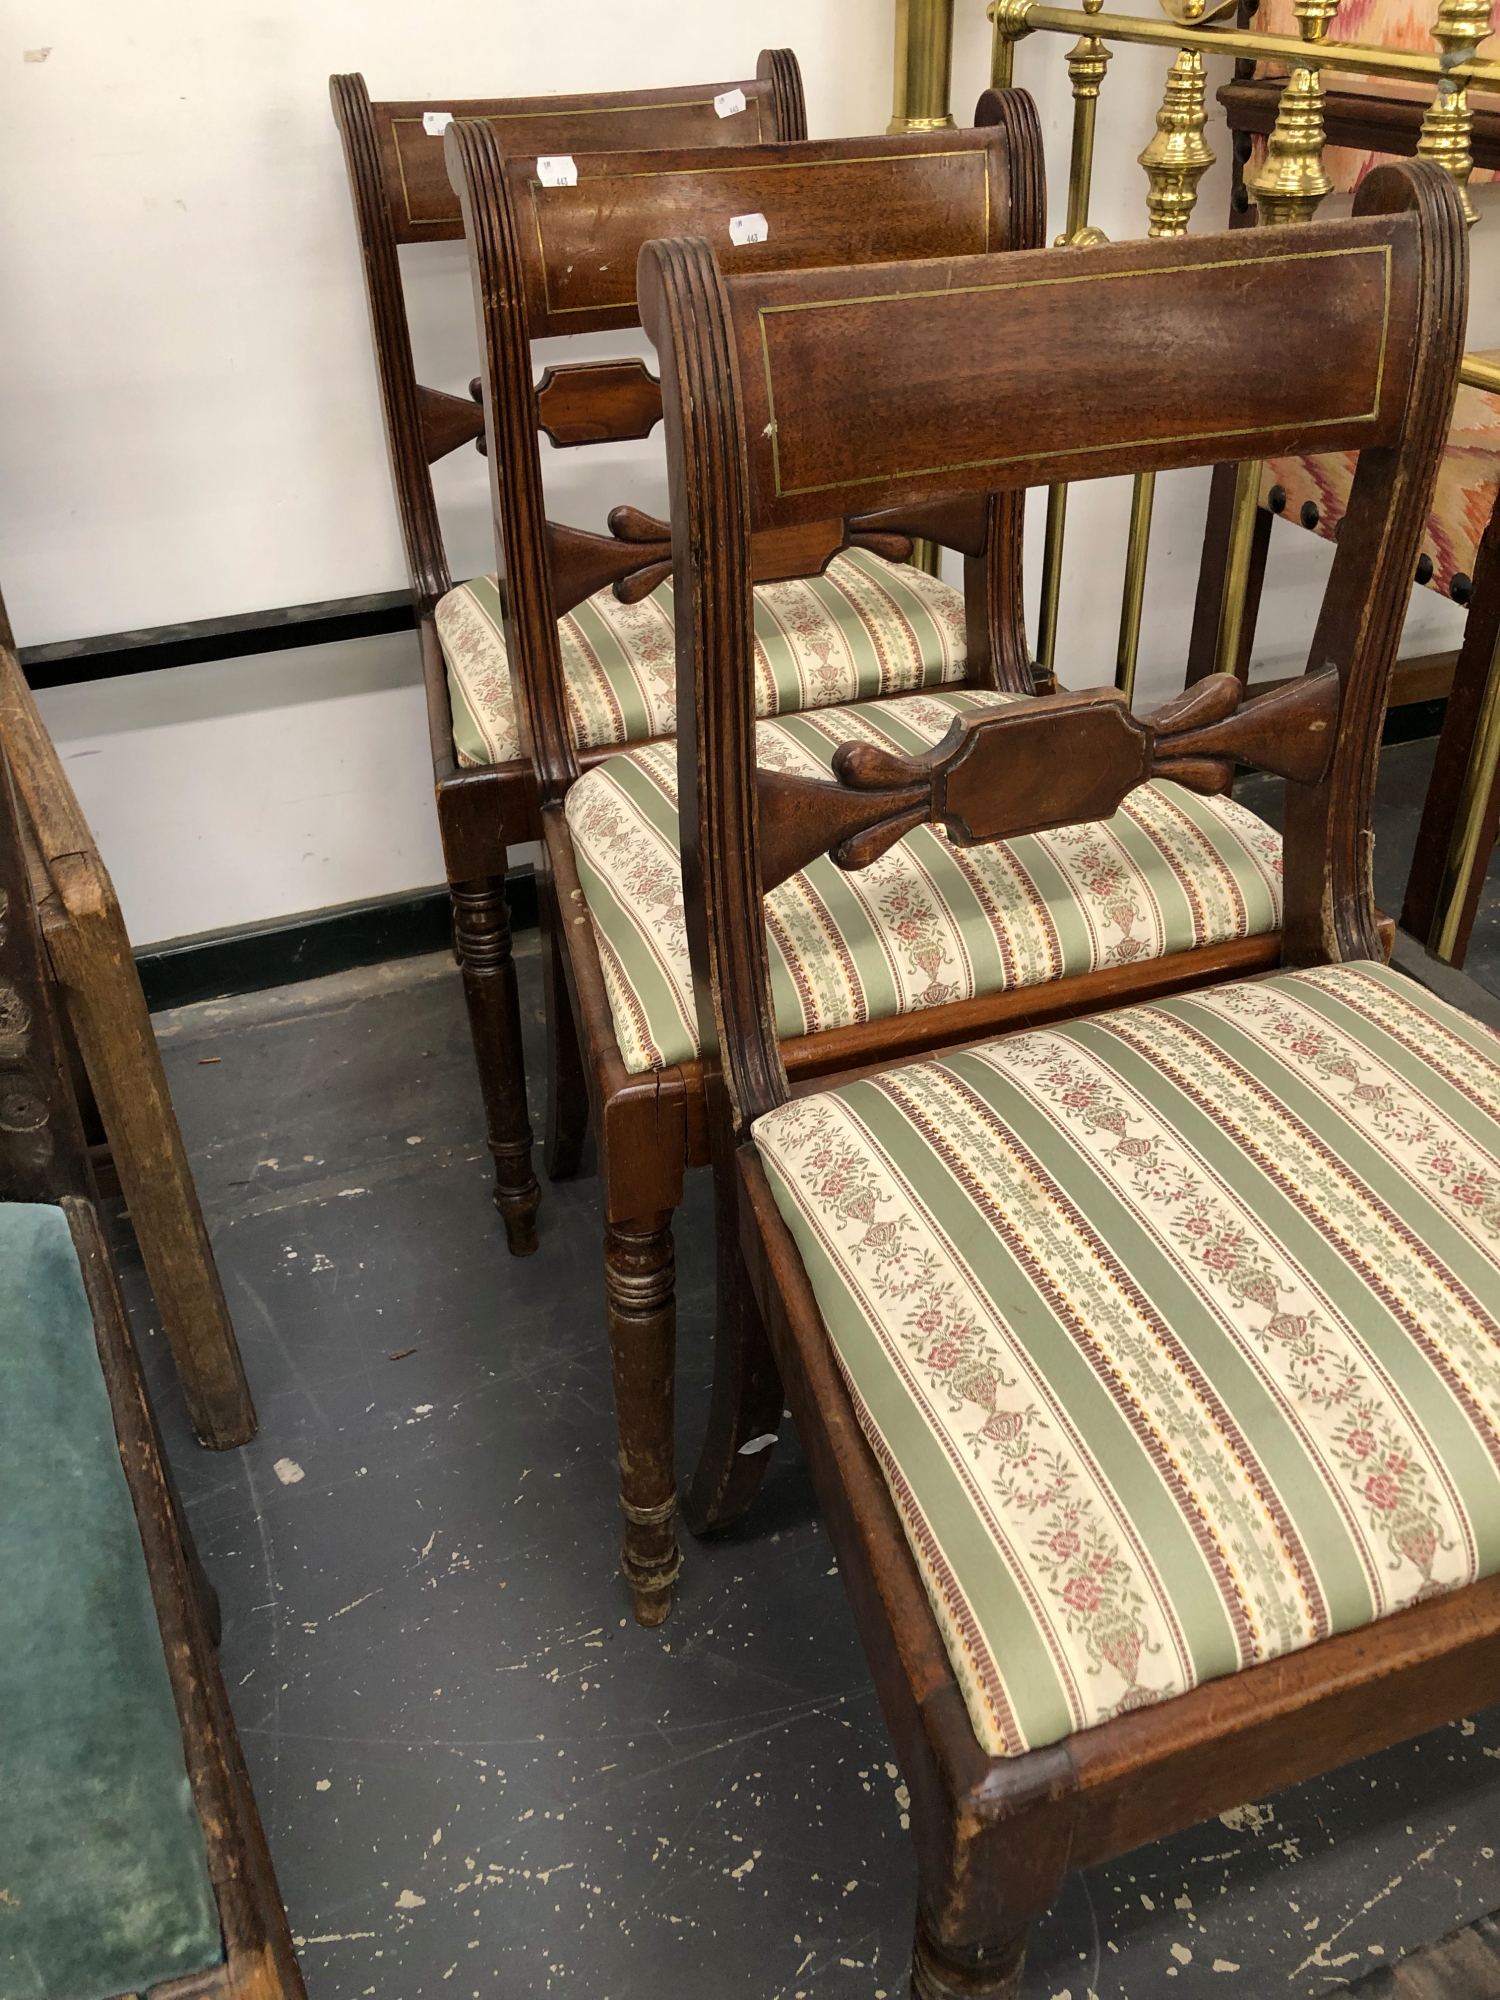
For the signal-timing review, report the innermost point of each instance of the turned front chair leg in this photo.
(567, 1083)
(640, 1291)
(992, 1972)
(482, 945)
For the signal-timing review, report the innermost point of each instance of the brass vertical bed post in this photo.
(1464, 854)
(1460, 27)
(1288, 189)
(1176, 160)
(924, 74)
(1088, 60)
(924, 66)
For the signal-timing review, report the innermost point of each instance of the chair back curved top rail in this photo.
(393, 150)
(792, 398)
(551, 259)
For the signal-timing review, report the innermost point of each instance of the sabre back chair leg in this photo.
(640, 1291)
(747, 1394)
(567, 1081)
(482, 945)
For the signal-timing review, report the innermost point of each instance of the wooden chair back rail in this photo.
(824, 202)
(1274, 335)
(772, 429)
(402, 194)
(835, 201)
(415, 182)
(636, 555)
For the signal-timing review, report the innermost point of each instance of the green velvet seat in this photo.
(104, 1884)
(1174, 1331)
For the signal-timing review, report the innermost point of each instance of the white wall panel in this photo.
(189, 424)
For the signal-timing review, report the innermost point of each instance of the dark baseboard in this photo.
(289, 949)
(1413, 721)
(112, 654)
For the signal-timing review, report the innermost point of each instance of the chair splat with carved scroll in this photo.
(1060, 1316)
(894, 634)
(401, 195)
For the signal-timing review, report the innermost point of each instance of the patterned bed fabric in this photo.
(1387, 24)
(929, 922)
(1467, 482)
(1174, 1331)
(864, 628)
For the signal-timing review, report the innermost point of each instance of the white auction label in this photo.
(729, 101)
(748, 229)
(556, 170)
(436, 123)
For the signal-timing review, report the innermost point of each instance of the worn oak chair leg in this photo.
(91, 956)
(993, 1973)
(567, 1083)
(640, 1291)
(482, 945)
(747, 1400)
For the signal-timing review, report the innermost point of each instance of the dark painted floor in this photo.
(478, 1777)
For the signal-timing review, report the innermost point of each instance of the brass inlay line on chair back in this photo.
(1314, 364)
(612, 237)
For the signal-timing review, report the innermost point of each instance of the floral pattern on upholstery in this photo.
(928, 922)
(863, 629)
(1174, 1331)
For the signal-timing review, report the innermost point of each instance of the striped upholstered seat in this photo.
(1173, 1330)
(863, 629)
(926, 924)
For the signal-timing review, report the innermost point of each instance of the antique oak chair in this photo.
(1175, 890)
(104, 1012)
(583, 628)
(1157, 1350)
(485, 794)
(131, 1852)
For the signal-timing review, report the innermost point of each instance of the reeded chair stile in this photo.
(1145, 1364)
(486, 796)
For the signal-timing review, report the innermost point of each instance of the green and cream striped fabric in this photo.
(864, 628)
(926, 924)
(1173, 1330)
